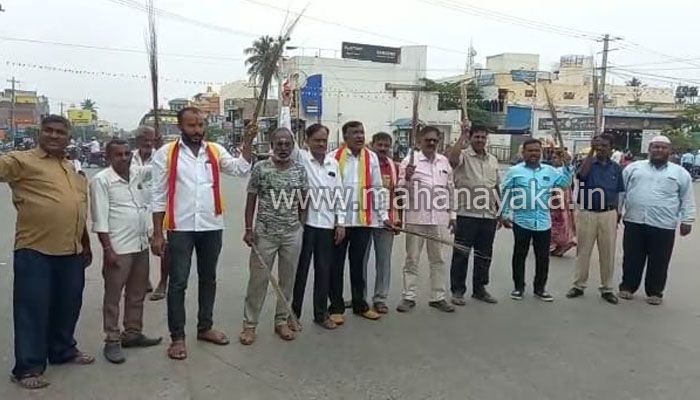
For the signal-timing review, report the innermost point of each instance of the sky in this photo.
(204, 40)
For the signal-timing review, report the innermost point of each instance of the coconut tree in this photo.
(90, 105)
(262, 62)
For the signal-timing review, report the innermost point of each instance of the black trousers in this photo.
(477, 234)
(48, 295)
(540, 243)
(317, 243)
(355, 244)
(207, 244)
(644, 244)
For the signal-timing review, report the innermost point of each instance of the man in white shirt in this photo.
(94, 146)
(362, 182)
(187, 197)
(616, 155)
(120, 218)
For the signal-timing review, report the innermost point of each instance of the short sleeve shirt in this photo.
(278, 194)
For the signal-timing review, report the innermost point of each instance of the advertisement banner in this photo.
(359, 51)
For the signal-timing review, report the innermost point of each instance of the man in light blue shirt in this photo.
(659, 195)
(527, 189)
(688, 159)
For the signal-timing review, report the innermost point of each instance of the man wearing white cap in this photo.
(659, 195)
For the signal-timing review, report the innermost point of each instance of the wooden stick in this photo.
(555, 119)
(464, 249)
(275, 284)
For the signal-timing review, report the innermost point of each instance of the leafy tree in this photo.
(450, 98)
(634, 82)
(263, 60)
(90, 105)
(686, 134)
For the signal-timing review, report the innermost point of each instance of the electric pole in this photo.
(13, 127)
(600, 98)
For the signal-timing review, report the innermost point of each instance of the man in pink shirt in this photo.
(426, 178)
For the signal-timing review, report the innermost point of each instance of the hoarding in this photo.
(519, 75)
(79, 117)
(359, 51)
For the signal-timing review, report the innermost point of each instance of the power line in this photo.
(353, 28)
(512, 20)
(181, 18)
(114, 49)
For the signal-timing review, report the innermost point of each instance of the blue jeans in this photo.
(48, 295)
(383, 243)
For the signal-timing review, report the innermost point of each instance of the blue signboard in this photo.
(312, 96)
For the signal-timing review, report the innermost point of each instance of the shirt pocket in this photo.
(669, 186)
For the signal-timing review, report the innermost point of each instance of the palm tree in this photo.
(262, 61)
(90, 105)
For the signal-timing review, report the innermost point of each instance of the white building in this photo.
(353, 89)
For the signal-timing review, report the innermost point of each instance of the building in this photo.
(29, 108)
(178, 104)
(355, 87)
(208, 102)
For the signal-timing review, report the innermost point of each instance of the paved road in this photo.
(570, 349)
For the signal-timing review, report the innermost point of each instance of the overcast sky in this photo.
(219, 30)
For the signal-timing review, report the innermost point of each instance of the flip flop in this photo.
(213, 336)
(31, 382)
(158, 294)
(177, 350)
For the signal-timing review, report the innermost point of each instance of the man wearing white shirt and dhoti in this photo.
(120, 216)
(188, 203)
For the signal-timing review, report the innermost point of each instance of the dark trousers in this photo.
(207, 245)
(540, 243)
(48, 295)
(644, 244)
(355, 243)
(477, 234)
(317, 242)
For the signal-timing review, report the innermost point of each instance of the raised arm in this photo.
(229, 165)
(455, 154)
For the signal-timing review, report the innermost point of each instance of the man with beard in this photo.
(658, 196)
(52, 250)
(362, 181)
(600, 184)
(475, 174)
(120, 217)
(277, 233)
(527, 189)
(187, 202)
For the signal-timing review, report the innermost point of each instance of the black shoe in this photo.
(442, 305)
(574, 292)
(113, 352)
(140, 340)
(544, 296)
(406, 306)
(610, 297)
(484, 296)
(516, 294)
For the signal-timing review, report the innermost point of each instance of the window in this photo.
(529, 93)
(569, 95)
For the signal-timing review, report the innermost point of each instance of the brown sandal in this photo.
(284, 332)
(82, 359)
(247, 336)
(294, 324)
(213, 336)
(30, 382)
(177, 350)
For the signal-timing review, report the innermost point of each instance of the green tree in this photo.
(214, 132)
(263, 60)
(685, 135)
(450, 98)
(634, 82)
(90, 105)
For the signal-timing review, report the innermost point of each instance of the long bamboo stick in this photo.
(275, 284)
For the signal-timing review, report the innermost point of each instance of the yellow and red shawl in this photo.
(173, 156)
(364, 192)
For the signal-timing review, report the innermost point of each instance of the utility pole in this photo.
(61, 106)
(13, 126)
(600, 99)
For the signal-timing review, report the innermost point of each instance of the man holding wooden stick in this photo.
(276, 186)
(427, 179)
(187, 202)
(476, 173)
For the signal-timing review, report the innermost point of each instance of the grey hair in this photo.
(278, 130)
(141, 131)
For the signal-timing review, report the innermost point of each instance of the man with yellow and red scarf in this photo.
(367, 209)
(187, 202)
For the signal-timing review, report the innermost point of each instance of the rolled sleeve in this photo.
(159, 175)
(99, 205)
(10, 168)
(230, 165)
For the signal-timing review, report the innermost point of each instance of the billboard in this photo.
(519, 75)
(568, 124)
(359, 51)
(312, 96)
(79, 117)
